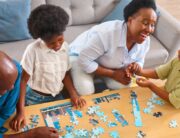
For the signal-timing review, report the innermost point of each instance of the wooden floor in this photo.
(172, 6)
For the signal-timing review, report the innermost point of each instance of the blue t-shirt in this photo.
(9, 100)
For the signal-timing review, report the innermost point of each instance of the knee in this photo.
(85, 88)
(114, 85)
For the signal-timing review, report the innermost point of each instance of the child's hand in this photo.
(18, 121)
(134, 68)
(78, 101)
(143, 82)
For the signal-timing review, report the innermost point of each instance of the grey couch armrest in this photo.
(168, 32)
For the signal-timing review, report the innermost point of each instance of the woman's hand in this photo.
(134, 68)
(18, 121)
(122, 76)
(77, 101)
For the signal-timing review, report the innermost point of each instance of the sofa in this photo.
(86, 13)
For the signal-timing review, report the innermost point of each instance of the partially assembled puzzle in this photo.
(94, 122)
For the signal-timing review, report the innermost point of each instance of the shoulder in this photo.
(18, 66)
(108, 26)
(145, 45)
(65, 46)
(175, 61)
(34, 45)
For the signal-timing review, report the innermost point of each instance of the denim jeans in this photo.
(33, 97)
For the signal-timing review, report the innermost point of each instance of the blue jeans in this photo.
(33, 97)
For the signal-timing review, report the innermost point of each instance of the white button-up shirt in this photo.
(46, 67)
(105, 45)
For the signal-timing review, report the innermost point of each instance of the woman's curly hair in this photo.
(46, 21)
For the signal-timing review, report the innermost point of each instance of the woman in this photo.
(108, 48)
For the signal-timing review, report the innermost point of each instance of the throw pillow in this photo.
(117, 13)
(13, 20)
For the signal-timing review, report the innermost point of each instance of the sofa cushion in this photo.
(83, 12)
(36, 3)
(74, 31)
(11, 48)
(117, 13)
(156, 55)
(15, 49)
(13, 20)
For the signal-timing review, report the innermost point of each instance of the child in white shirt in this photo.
(45, 62)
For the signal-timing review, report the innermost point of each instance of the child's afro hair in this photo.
(46, 21)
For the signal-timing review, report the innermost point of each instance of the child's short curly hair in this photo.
(46, 21)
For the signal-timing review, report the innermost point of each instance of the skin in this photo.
(9, 70)
(43, 132)
(139, 27)
(151, 73)
(55, 42)
(76, 100)
(19, 120)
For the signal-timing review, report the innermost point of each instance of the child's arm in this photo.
(149, 73)
(159, 91)
(44, 132)
(75, 98)
(19, 120)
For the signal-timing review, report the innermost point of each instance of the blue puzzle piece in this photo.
(81, 133)
(68, 135)
(69, 128)
(78, 113)
(94, 122)
(99, 113)
(91, 111)
(173, 124)
(159, 102)
(97, 131)
(141, 134)
(114, 134)
(103, 118)
(119, 118)
(112, 124)
(136, 109)
(147, 110)
(34, 118)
